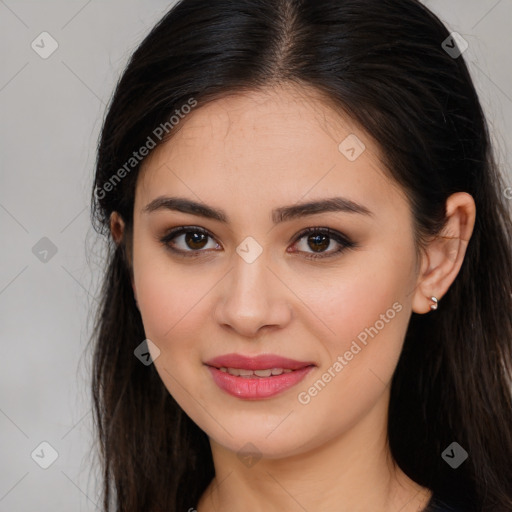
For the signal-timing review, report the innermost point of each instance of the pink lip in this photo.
(261, 362)
(257, 387)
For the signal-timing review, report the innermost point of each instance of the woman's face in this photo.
(245, 281)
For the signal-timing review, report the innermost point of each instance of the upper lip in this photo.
(260, 362)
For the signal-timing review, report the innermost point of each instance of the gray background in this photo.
(51, 112)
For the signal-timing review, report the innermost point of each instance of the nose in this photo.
(252, 299)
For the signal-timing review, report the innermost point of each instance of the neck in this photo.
(352, 471)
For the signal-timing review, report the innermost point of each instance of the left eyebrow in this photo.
(282, 214)
(333, 204)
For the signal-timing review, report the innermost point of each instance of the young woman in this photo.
(307, 302)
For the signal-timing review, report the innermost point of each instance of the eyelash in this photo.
(345, 242)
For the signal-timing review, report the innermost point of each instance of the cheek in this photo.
(170, 305)
(368, 314)
(170, 295)
(363, 314)
(351, 300)
(174, 308)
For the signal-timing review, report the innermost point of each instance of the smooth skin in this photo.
(248, 154)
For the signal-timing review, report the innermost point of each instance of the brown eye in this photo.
(318, 240)
(188, 241)
(195, 240)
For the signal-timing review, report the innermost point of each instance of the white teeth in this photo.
(263, 373)
(240, 372)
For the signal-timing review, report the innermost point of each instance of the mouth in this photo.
(254, 378)
(247, 374)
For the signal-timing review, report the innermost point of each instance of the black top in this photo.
(437, 505)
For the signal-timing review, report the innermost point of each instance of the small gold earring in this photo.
(433, 306)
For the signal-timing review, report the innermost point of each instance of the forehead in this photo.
(276, 119)
(270, 146)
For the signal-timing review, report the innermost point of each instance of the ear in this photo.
(117, 229)
(443, 257)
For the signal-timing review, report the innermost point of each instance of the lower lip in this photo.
(257, 387)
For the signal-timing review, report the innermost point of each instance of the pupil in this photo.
(319, 239)
(193, 238)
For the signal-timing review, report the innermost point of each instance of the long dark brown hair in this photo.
(384, 63)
